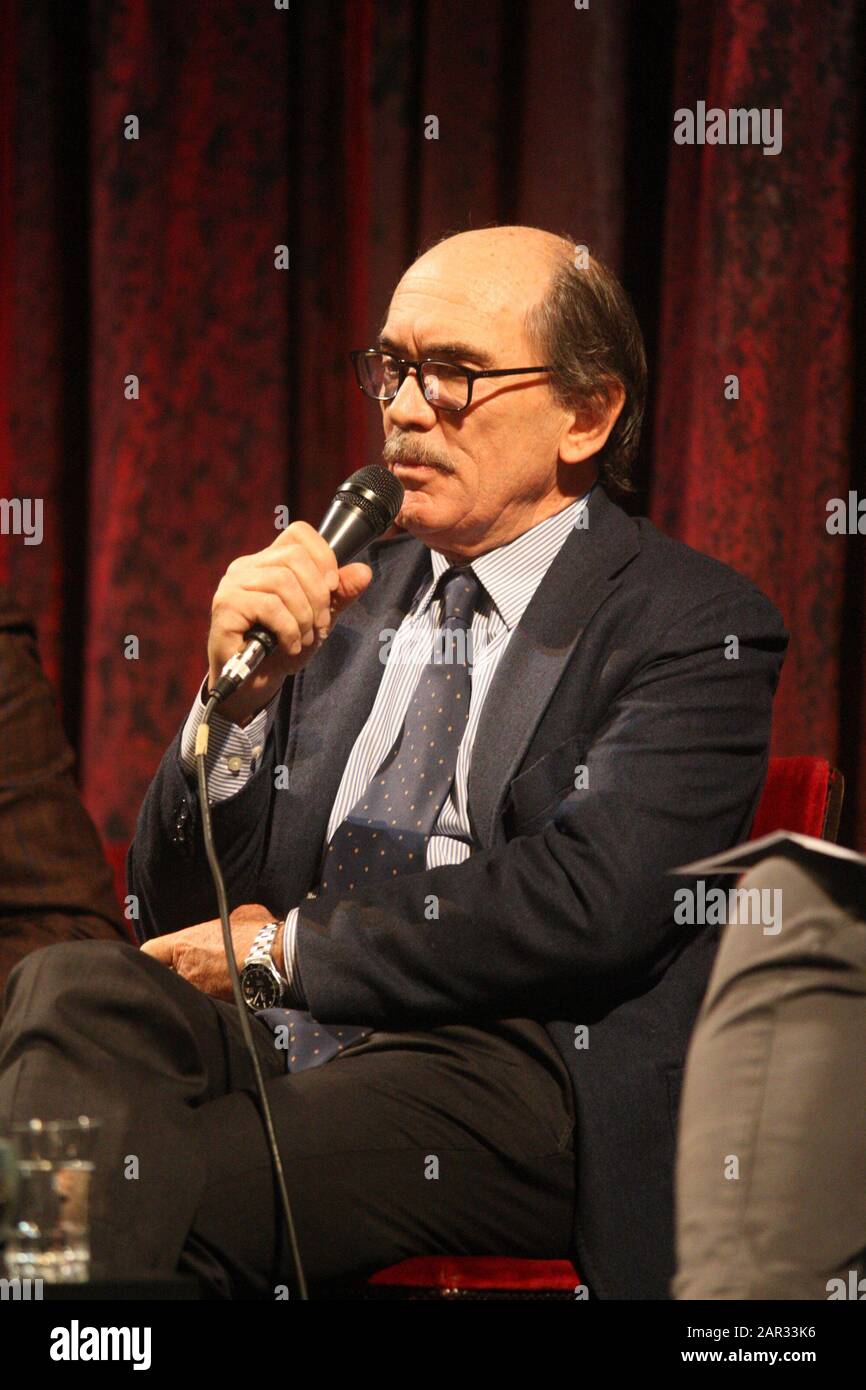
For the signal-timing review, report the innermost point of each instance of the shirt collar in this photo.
(512, 572)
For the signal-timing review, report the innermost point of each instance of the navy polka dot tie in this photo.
(386, 832)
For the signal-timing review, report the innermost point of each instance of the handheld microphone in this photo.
(363, 508)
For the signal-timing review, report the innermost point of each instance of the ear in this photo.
(588, 427)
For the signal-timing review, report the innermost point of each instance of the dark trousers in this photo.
(771, 1167)
(451, 1140)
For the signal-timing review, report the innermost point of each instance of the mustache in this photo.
(404, 449)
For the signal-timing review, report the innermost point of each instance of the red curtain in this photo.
(257, 127)
(759, 283)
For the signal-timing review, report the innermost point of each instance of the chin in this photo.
(420, 512)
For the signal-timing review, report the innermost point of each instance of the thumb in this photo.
(160, 947)
(353, 581)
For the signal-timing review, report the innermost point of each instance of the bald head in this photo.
(511, 246)
(503, 271)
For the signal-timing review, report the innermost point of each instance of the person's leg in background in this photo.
(55, 884)
(771, 1164)
(454, 1141)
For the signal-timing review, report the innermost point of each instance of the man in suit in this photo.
(481, 1002)
(54, 882)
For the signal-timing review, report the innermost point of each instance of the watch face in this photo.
(259, 988)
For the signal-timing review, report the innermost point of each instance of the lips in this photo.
(413, 470)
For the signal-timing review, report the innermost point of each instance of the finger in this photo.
(283, 585)
(313, 572)
(160, 947)
(301, 533)
(301, 585)
(353, 581)
(249, 606)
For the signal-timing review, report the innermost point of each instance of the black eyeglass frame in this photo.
(405, 365)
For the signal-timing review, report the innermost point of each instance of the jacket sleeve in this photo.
(55, 884)
(166, 866)
(583, 907)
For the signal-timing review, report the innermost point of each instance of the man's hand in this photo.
(197, 952)
(293, 587)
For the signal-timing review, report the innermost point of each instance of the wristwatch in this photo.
(262, 985)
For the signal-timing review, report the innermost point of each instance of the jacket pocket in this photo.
(534, 794)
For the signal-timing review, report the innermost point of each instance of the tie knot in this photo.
(460, 591)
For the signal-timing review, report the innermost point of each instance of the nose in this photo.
(410, 406)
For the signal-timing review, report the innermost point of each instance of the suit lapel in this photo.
(583, 573)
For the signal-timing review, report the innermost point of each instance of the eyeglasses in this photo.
(380, 376)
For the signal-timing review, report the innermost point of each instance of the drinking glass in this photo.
(47, 1235)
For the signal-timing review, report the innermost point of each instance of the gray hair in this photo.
(586, 329)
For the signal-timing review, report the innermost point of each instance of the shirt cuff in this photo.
(233, 752)
(294, 993)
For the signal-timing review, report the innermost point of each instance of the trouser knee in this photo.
(790, 920)
(82, 967)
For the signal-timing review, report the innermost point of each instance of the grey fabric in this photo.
(771, 1163)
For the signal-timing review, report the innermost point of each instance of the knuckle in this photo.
(295, 599)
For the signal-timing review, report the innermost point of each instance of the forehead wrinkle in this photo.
(480, 317)
(485, 295)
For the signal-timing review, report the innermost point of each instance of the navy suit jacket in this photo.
(651, 666)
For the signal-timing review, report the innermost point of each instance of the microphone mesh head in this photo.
(378, 489)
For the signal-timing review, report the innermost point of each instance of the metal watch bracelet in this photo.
(262, 984)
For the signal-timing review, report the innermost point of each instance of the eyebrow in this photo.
(461, 350)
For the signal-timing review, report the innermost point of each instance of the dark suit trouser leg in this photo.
(771, 1166)
(452, 1140)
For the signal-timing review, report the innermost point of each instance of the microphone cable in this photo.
(201, 744)
(364, 506)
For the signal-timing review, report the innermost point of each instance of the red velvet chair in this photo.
(801, 794)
